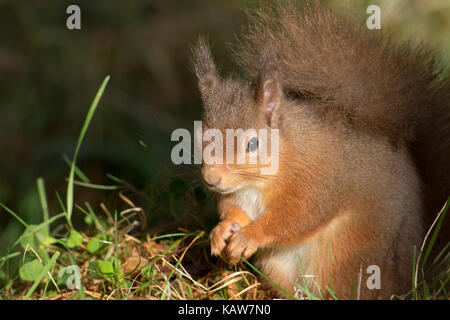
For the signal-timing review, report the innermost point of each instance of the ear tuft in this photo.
(205, 68)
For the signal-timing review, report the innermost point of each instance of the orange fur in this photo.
(348, 193)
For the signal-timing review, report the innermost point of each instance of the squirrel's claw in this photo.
(220, 234)
(240, 244)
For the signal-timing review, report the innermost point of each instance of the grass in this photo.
(113, 262)
(110, 258)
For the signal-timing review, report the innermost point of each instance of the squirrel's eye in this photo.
(252, 144)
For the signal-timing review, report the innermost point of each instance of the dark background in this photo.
(49, 76)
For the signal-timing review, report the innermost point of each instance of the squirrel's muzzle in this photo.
(211, 177)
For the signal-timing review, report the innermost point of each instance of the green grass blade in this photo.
(80, 174)
(426, 291)
(7, 257)
(166, 282)
(414, 287)
(435, 233)
(270, 280)
(43, 198)
(172, 235)
(61, 204)
(69, 202)
(42, 225)
(14, 215)
(115, 179)
(96, 186)
(305, 290)
(331, 292)
(116, 245)
(42, 275)
(91, 213)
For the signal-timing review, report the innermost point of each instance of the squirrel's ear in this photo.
(268, 90)
(269, 101)
(205, 68)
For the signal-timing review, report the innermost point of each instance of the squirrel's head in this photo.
(240, 119)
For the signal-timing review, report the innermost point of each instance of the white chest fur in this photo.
(250, 201)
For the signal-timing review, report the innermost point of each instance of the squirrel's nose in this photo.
(211, 180)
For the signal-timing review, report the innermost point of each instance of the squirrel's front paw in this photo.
(241, 244)
(220, 234)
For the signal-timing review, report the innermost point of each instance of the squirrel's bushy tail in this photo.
(374, 80)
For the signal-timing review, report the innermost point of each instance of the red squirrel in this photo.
(357, 114)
